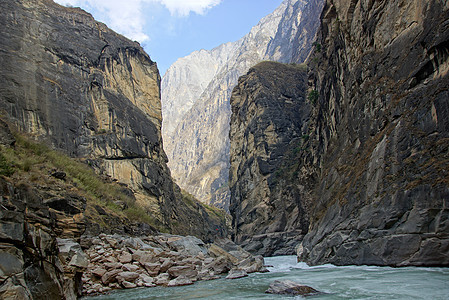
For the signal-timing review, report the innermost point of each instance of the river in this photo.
(349, 282)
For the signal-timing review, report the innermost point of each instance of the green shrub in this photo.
(6, 168)
(317, 47)
(313, 96)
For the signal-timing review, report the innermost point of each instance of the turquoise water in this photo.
(350, 282)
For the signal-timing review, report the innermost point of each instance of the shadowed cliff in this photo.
(80, 87)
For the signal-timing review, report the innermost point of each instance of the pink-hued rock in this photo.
(187, 271)
(130, 268)
(125, 258)
(128, 285)
(152, 268)
(127, 276)
(109, 276)
(99, 272)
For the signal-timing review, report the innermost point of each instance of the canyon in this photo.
(371, 171)
(196, 91)
(324, 132)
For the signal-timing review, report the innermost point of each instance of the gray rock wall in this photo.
(381, 135)
(196, 140)
(269, 128)
(72, 82)
(372, 175)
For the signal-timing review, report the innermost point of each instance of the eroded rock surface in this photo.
(34, 262)
(269, 126)
(197, 89)
(376, 160)
(74, 83)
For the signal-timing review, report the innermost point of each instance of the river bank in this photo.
(119, 262)
(350, 282)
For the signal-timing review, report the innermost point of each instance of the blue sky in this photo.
(169, 29)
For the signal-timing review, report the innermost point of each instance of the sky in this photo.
(170, 29)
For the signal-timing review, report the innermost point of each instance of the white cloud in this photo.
(184, 7)
(127, 17)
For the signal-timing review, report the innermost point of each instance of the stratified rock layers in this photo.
(269, 125)
(382, 134)
(92, 93)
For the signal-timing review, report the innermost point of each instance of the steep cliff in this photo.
(72, 82)
(196, 140)
(269, 126)
(373, 171)
(381, 76)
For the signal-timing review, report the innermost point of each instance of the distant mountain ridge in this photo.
(196, 91)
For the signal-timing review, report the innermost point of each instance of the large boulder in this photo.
(288, 287)
(187, 244)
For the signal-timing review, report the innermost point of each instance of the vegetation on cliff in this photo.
(38, 165)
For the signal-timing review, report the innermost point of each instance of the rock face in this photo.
(39, 252)
(375, 164)
(269, 126)
(94, 94)
(196, 92)
(382, 134)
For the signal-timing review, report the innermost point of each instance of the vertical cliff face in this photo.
(269, 127)
(372, 174)
(381, 75)
(196, 140)
(94, 94)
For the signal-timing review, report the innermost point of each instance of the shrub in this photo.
(313, 96)
(5, 167)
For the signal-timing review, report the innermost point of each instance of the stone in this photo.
(113, 265)
(128, 285)
(189, 244)
(125, 258)
(153, 269)
(162, 279)
(110, 276)
(236, 273)
(127, 276)
(187, 271)
(146, 279)
(10, 263)
(130, 267)
(166, 264)
(180, 281)
(216, 251)
(288, 287)
(252, 264)
(99, 272)
(59, 175)
(219, 266)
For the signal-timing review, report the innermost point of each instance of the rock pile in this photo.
(118, 262)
